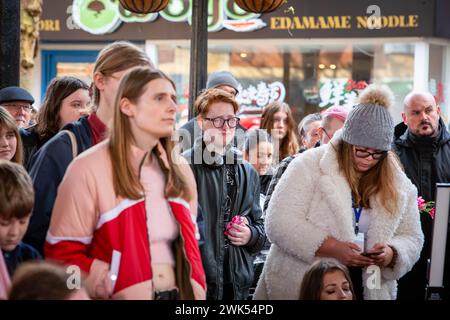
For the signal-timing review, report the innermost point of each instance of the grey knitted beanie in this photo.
(369, 124)
(219, 78)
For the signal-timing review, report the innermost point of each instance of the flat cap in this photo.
(15, 94)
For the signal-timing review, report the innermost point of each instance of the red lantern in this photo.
(144, 6)
(259, 6)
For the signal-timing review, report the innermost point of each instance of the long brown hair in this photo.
(8, 122)
(48, 119)
(377, 181)
(312, 281)
(126, 182)
(289, 144)
(116, 57)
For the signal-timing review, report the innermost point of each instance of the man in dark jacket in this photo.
(423, 144)
(229, 216)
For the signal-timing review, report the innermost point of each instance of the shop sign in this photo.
(339, 92)
(105, 16)
(254, 98)
(344, 22)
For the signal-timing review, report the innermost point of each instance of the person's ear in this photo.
(404, 118)
(438, 109)
(126, 107)
(99, 81)
(320, 132)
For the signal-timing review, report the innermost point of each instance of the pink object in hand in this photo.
(236, 220)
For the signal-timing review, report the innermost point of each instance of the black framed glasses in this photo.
(219, 122)
(361, 153)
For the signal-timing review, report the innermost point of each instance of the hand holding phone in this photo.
(384, 257)
(371, 253)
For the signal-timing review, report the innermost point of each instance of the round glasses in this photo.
(219, 122)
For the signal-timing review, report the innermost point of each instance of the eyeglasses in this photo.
(16, 107)
(361, 153)
(219, 122)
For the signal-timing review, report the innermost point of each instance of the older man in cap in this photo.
(191, 130)
(19, 103)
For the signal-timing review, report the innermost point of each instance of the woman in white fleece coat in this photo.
(312, 214)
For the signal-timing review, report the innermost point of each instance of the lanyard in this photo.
(357, 212)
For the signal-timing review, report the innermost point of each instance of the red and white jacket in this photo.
(89, 222)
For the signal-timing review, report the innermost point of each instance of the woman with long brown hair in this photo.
(277, 119)
(327, 280)
(128, 202)
(49, 164)
(66, 100)
(353, 203)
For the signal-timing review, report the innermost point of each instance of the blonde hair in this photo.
(126, 182)
(377, 181)
(8, 122)
(116, 57)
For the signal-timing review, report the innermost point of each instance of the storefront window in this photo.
(308, 77)
(79, 70)
(438, 78)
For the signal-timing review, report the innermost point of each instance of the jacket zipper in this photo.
(233, 207)
(219, 246)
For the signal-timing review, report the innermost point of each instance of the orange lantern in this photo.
(144, 6)
(259, 6)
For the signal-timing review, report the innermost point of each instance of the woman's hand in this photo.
(239, 235)
(346, 252)
(385, 257)
(103, 289)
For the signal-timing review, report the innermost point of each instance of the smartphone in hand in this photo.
(371, 253)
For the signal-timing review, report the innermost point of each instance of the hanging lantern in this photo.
(259, 6)
(144, 6)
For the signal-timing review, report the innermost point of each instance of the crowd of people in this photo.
(102, 185)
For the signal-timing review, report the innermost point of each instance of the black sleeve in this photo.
(47, 171)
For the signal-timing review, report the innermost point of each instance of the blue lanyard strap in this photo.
(357, 212)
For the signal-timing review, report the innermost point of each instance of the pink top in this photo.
(162, 227)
